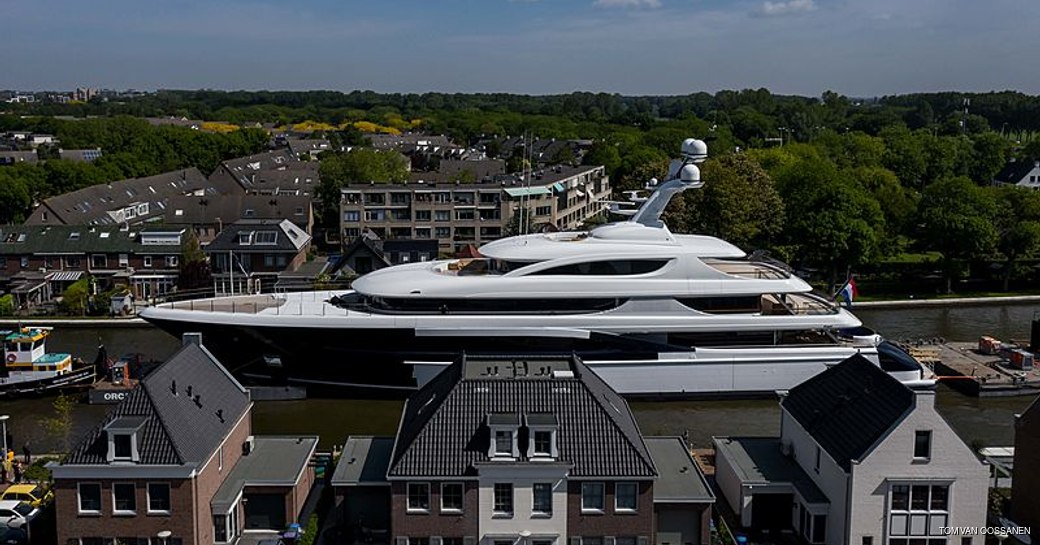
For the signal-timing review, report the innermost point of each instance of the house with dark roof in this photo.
(14, 157)
(81, 155)
(1025, 484)
(247, 256)
(508, 449)
(861, 459)
(1021, 173)
(276, 172)
(177, 455)
(126, 202)
(37, 261)
(207, 215)
(368, 253)
(310, 147)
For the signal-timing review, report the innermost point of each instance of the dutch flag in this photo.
(848, 292)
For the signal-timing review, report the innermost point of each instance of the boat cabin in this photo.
(25, 354)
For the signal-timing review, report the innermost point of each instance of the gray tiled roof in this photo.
(288, 237)
(443, 428)
(177, 430)
(91, 205)
(231, 208)
(848, 407)
(72, 239)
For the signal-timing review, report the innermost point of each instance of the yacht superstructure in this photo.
(653, 312)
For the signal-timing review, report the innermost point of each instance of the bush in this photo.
(7, 305)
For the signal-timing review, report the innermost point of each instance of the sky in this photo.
(859, 48)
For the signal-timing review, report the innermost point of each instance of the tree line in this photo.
(130, 147)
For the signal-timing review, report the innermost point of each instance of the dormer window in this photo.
(123, 438)
(504, 428)
(543, 428)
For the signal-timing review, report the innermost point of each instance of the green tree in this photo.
(1018, 226)
(60, 424)
(738, 203)
(957, 219)
(360, 165)
(194, 272)
(15, 199)
(603, 153)
(75, 298)
(832, 222)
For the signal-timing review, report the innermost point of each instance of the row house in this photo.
(533, 450)
(38, 261)
(207, 215)
(176, 463)
(861, 459)
(461, 214)
(126, 202)
(249, 255)
(1025, 484)
(276, 172)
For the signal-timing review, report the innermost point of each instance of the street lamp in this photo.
(163, 536)
(3, 421)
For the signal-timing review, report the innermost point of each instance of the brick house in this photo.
(499, 449)
(861, 459)
(48, 258)
(178, 455)
(247, 256)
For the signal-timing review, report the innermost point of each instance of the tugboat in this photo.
(29, 369)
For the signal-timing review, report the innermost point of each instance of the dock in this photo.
(963, 367)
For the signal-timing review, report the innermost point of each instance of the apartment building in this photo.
(459, 214)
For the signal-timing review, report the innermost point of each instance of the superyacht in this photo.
(653, 312)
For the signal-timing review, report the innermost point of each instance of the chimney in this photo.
(191, 338)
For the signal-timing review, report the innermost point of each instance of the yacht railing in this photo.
(759, 270)
(800, 304)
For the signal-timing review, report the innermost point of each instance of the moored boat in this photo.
(30, 370)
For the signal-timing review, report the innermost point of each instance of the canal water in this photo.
(980, 422)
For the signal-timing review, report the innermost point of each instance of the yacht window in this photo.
(602, 268)
(488, 306)
(724, 305)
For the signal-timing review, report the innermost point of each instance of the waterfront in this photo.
(980, 421)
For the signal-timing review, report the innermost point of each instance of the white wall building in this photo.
(861, 460)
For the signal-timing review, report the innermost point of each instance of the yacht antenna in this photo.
(683, 174)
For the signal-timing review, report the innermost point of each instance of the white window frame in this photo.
(79, 498)
(495, 512)
(930, 516)
(408, 498)
(147, 261)
(928, 455)
(148, 498)
(462, 498)
(635, 497)
(122, 512)
(171, 260)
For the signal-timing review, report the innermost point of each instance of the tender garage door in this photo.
(265, 511)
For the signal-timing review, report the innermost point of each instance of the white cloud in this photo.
(628, 3)
(769, 8)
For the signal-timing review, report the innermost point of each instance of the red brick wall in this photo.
(609, 523)
(212, 475)
(434, 523)
(71, 524)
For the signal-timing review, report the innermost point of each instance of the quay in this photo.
(967, 369)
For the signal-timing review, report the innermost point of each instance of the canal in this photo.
(978, 421)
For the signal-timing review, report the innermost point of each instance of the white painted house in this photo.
(861, 460)
(1021, 173)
